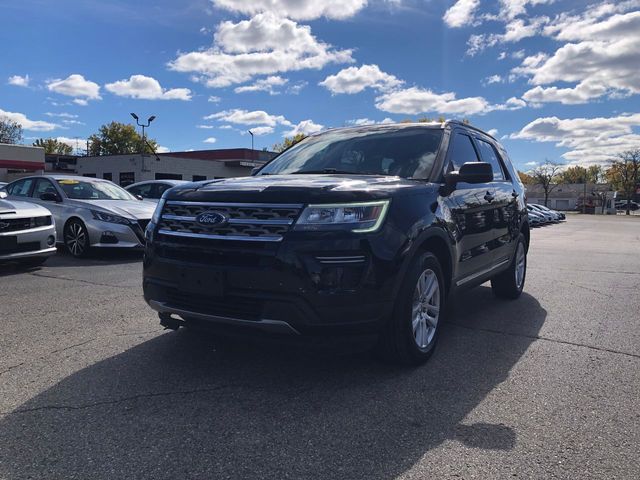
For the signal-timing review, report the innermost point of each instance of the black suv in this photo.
(354, 230)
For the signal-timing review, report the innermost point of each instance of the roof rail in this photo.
(459, 122)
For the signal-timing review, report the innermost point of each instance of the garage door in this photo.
(562, 204)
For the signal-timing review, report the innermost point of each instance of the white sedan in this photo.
(27, 232)
(152, 190)
(88, 212)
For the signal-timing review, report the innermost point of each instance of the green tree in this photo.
(578, 174)
(547, 176)
(10, 131)
(288, 142)
(117, 138)
(624, 174)
(53, 146)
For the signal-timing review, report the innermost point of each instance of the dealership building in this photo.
(19, 160)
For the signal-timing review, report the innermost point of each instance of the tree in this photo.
(10, 131)
(53, 146)
(118, 138)
(578, 174)
(624, 174)
(288, 142)
(547, 176)
(526, 178)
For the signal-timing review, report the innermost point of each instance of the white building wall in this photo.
(146, 168)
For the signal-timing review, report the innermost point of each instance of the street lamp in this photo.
(251, 133)
(149, 120)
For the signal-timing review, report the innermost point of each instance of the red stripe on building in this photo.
(22, 164)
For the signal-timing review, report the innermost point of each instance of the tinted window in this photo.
(168, 176)
(20, 188)
(489, 155)
(405, 152)
(462, 150)
(43, 186)
(145, 191)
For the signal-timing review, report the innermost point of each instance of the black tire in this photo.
(76, 238)
(398, 342)
(33, 262)
(508, 284)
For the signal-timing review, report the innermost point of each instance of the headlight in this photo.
(109, 217)
(155, 218)
(357, 217)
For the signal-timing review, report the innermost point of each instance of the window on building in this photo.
(90, 175)
(108, 176)
(168, 176)
(199, 178)
(489, 155)
(127, 178)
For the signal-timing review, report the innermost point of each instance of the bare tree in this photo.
(10, 131)
(624, 174)
(547, 176)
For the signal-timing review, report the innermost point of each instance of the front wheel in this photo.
(76, 238)
(509, 284)
(411, 335)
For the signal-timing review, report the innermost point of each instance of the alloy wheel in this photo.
(520, 264)
(426, 308)
(76, 239)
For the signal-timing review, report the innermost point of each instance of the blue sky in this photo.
(552, 79)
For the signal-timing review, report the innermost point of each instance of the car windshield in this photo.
(407, 152)
(97, 190)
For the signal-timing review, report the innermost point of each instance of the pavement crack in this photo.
(89, 282)
(116, 401)
(547, 339)
(11, 367)
(70, 347)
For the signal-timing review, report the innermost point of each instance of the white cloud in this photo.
(245, 117)
(415, 100)
(19, 81)
(589, 140)
(75, 143)
(80, 101)
(461, 13)
(28, 124)
(266, 44)
(306, 127)
(368, 121)
(225, 127)
(493, 132)
(205, 127)
(268, 84)
(146, 88)
(356, 79)
(258, 131)
(209, 140)
(295, 9)
(531, 164)
(493, 79)
(72, 122)
(161, 149)
(213, 99)
(77, 86)
(61, 115)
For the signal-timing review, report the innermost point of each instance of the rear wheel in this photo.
(509, 284)
(76, 238)
(412, 333)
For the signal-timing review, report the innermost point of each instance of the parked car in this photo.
(2, 184)
(27, 232)
(557, 216)
(354, 230)
(622, 205)
(548, 217)
(535, 220)
(152, 190)
(88, 212)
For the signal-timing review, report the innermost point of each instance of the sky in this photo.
(551, 79)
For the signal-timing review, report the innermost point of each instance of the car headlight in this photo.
(109, 217)
(359, 217)
(157, 213)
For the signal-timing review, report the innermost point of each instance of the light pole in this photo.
(251, 133)
(149, 120)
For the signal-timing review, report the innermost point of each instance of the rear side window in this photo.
(489, 155)
(461, 151)
(20, 188)
(142, 190)
(43, 186)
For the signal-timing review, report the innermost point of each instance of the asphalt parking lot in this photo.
(547, 386)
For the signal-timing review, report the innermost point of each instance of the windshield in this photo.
(404, 152)
(98, 190)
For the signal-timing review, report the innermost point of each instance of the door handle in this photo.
(488, 197)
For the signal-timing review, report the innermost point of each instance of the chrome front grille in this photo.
(243, 221)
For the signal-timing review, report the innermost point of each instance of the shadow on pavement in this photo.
(183, 406)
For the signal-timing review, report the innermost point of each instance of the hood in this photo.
(16, 209)
(135, 209)
(296, 189)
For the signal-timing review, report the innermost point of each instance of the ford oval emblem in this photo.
(212, 219)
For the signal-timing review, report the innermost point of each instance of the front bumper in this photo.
(114, 235)
(333, 284)
(30, 243)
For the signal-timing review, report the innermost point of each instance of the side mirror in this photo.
(139, 197)
(3, 194)
(50, 197)
(471, 172)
